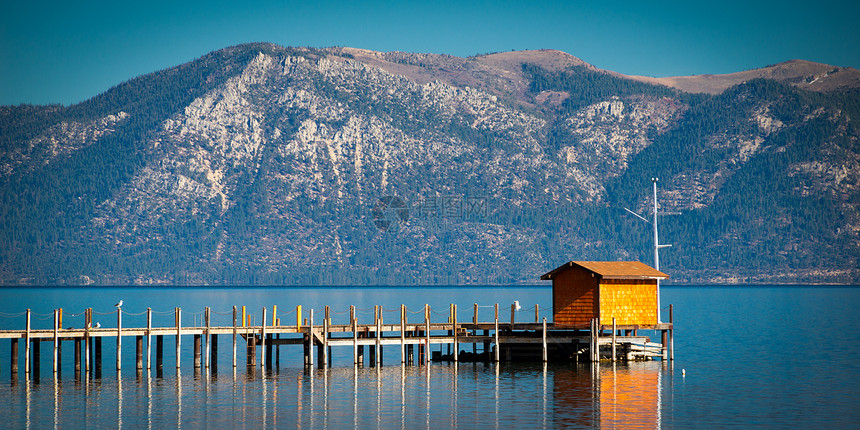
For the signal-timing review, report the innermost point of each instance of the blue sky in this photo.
(66, 52)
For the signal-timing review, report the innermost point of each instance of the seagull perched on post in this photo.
(118, 305)
(517, 305)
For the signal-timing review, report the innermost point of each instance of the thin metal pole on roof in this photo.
(657, 244)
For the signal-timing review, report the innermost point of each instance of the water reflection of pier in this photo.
(489, 395)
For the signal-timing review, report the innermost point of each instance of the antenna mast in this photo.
(657, 244)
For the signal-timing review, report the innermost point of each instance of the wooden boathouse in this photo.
(624, 291)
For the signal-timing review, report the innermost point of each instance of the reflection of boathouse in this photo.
(623, 290)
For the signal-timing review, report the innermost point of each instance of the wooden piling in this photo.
(268, 351)
(118, 338)
(592, 341)
(251, 352)
(36, 360)
(537, 313)
(77, 356)
(206, 317)
(427, 334)
(14, 359)
(456, 339)
(354, 323)
(664, 344)
(27, 345)
(197, 351)
(402, 334)
(56, 339)
(311, 338)
(213, 340)
(159, 352)
(235, 333)
(138, 352)
(496, 332)
(474, 331)
(263, 358)
(88, 319)
(543, 339)
(326, 327)
(671, 335)
(60, 354)
(148, 338)
(513, 314)
(613, 338)
(98, 357)
(376, 351)
(178, 318)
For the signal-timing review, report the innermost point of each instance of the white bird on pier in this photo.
(98, 325)
(517, 305)
(118, 305)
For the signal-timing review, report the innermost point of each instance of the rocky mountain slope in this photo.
(260, 164)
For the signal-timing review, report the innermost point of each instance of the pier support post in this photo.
(213, 351)
(159, 352)
(265, 357)
(98, 357)
(14, 359)
(496, 333)
(56, 339)
(402, 334)
(309, 358)
(197, 348)
(671, 335)
(27, 346)
(326, 327)
(354, 324)
(269, 351)
(664, 344)
(88, 319)
(178, 312)
(475, 330)
(148, 338)
(235, 332)
(118, 338)
(427, 334)
(613, 338)
(37, 360)
(77, 357)
(377, 351)
(592, 341)
(543, 341)
(251, 352)
(138, 352)
(513, 315)
(456, 340)
(206, 339)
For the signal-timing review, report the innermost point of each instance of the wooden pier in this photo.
(499, 340)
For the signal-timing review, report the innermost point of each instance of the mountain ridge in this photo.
(260, 164)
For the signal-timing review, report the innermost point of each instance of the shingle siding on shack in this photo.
(574, 298)
(624, 290)
(629, 301)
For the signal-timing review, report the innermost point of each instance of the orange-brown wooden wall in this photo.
(628, 301)
(574, 298)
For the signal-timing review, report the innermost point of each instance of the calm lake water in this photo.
(781, 357)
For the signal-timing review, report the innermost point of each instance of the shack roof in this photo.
(611, 270)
